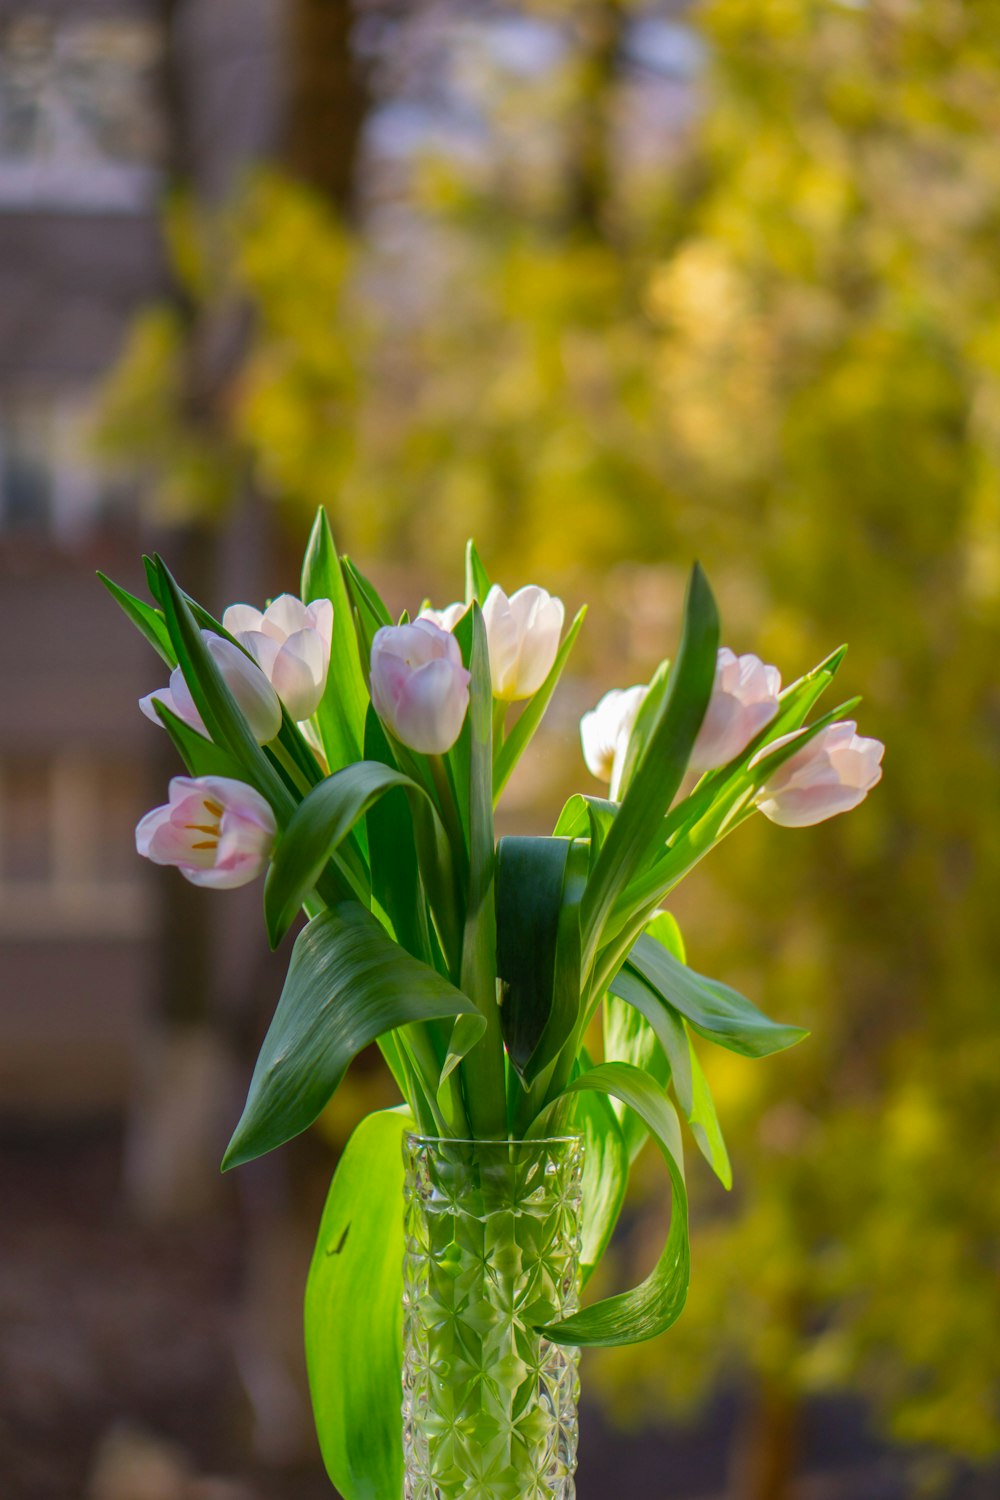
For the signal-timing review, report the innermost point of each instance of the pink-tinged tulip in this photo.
(254, 695)
(523, 636)
(218, 832)
(744, 699)
(832, 773)
(420, 688)
(290, 641)
(444, 619)
(605, 731)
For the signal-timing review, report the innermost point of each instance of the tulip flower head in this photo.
(744, 699)
(523, 637)
(254, 695)
(420, 686)
(290, 642)
(444, 619)
(218, 832)
(605, 731)
(832, 773)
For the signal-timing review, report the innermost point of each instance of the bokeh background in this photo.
(609, 286)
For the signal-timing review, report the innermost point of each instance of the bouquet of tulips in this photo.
(356, 763)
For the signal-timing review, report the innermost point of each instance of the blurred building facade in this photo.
(102, 103)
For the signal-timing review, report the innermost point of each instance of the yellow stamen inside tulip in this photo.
(208, 844)
(214, 808)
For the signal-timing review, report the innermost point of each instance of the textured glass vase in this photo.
(492, 1253)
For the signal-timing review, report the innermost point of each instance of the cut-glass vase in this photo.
(492, 1255)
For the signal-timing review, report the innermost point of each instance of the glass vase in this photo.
(492, 1253)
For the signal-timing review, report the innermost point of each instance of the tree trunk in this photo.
(765, 1460)
(601, 26)
(327, 97)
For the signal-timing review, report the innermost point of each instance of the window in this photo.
(49, 483)
(79, 122)
(68, 865)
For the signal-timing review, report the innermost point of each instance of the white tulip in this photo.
(290, 642)
(420, 686)
(605, 731)
(832, 773)
(254, 695)
(218, 832)
(444, 619)
(523, 636)
(744, 699)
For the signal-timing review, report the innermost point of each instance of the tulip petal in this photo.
(239, 618)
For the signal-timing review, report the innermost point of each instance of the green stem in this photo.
(500, 707)
(294, 773)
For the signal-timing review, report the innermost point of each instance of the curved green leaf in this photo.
(347, 983)
(147, 620)
(650, 1308)
(477, 580)
(341, 713)
(656, 1020)
(470, 767)
(354, 1312)
(200, 756)
(636, 830)
(216, 704)
(538, 947)
(714, 1009)
(322, 820)
(605, 1176)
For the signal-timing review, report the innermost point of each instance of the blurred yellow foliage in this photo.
(786, 361)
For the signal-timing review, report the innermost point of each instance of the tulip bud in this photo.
(217, 831)
(832, 773)
(254, 695)
(523, 637)
(444, 619)
(420, 687)
(290, 642)
(605, 731)
(744, 699)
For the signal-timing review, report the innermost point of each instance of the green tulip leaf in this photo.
(636, 830)
(716, 1011)
(540, 885)
(199, 755)
(477, 580)
(605, 1176)
(657, 1033)
(354, 1314)
(650, 1308)
(320, 823)
(216, 704)
(340, 716)
(347, 984)
(147, 620)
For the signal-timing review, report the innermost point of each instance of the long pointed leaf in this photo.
(354, 1312)
(147, 620)
(716, 1011)
(341, 713)
(199, 755)
(636, 829)
(215, 702)
(605, 1176)
(650, 1308)
(477, 580)
(322, 820)
(347, 983)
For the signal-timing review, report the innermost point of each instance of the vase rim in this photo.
(567, 1138)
